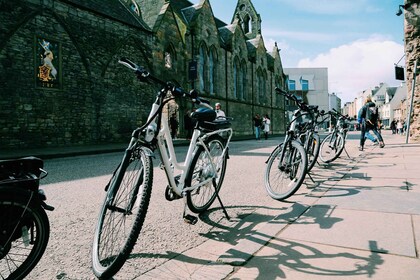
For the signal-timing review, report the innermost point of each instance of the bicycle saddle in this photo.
(204, 114)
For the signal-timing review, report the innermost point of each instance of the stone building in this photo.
(61, 84)
(412, 53)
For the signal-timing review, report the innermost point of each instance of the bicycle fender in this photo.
(147, 151)
(278, 146)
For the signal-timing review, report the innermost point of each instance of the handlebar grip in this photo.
(281, 91)
(128, 63)
(202, 100)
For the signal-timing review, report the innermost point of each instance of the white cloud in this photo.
(359, 65)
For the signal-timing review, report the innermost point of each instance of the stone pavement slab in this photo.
(290, 259)
(326, 224)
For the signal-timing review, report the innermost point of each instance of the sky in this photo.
(359, 41)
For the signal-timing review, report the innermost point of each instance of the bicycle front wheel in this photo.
(331, 147)
(312, 150)
(122, 214)
(24, 234)
(285, 170)
(202, 171)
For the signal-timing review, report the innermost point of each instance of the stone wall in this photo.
(412, 52)
(92, 100)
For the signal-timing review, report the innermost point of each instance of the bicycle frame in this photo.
(170, 161)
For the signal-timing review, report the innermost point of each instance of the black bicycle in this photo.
(334, 143)
(24, 224)
(287, 164)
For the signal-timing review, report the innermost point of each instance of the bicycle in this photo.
(24, 224)
(128, 192)
(287, 164)
(334, 143)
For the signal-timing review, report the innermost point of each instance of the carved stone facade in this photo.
(412, 52)
(61, 84)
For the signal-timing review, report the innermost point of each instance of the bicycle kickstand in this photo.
(310, 177)
(220, 201)
(347, 153)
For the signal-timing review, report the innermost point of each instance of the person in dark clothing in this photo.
(173, 124)
(257, 125)
(188, 124)
(394, 126)
(367, 123)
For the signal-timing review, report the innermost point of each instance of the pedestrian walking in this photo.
(368, 117)
(393, 127)
(399, 127)
(257, 126)
(266, 126)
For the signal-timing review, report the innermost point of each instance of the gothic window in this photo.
(169, 57)
(212, 72)
(246, 24)
(168, 60)
(236, 70)
(134, 7)
(259, 86)
(278, 97)
(242, 81)
(264, 88)
(202, 68)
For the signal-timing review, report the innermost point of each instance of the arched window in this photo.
(202, 67)
(242, 81)
(246, 24)
(264, 87)
(236, 75)
(169, 57)
(212, 72)
(134, 7)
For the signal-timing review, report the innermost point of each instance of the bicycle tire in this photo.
(200, 199)
(313, 150)
(281, 183)
(119, 225)
(21, 254)
(331, 147)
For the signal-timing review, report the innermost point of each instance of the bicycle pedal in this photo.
(189, 219)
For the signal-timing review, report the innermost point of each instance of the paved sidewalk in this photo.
(360, 220)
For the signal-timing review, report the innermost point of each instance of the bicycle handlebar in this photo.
(302, 105)
(144, 75)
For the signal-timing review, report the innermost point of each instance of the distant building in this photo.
(310, 85)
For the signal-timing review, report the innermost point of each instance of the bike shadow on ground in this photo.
(287, 254)
(244, 225)
(300, 257)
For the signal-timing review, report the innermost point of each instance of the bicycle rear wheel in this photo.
(312, 150)
(24, 234)
(331, 147)
(122, 214)
(200, 199)
(283, 178)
